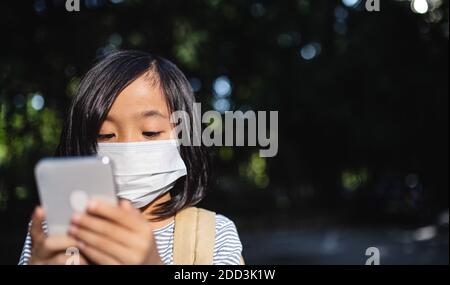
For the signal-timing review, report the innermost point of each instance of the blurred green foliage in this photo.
(362, 97)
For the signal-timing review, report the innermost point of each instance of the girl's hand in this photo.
(49, 249)
(114, 234)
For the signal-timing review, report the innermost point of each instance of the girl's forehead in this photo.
(140, 96)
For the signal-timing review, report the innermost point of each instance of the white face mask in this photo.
(144, 170)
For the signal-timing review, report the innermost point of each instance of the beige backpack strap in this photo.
(184, 236)
(206, 237)
(194, 236)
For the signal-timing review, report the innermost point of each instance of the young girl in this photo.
(122, 109)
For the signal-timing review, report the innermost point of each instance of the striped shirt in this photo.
(227, 247)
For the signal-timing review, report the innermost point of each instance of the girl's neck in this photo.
(148, 210)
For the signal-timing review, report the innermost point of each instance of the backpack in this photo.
(194, 237)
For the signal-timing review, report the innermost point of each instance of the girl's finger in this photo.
(103, 228)
(36, 231)
(58, 243)
(63, 258)
(57, 259)
(130, 220)
(96, 255)
(100, 243)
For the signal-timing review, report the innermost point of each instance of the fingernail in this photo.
(92, 205)
(76, 218)
(72, 229)
(80, 245)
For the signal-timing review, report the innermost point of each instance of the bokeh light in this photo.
(222, 87)
(351, 3)
(37, 101)
(419, 6)
(310, 51)
(221, 105)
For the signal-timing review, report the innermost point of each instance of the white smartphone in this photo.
(65, 186)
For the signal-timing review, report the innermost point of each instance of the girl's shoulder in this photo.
(223, 222)
(228, 246)
(225, 228)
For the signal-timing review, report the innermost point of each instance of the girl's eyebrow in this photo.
(151, 113)
(143, 114)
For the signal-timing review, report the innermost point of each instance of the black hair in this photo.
(94, 98)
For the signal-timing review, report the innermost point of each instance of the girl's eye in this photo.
(150, 134)
(105, 136)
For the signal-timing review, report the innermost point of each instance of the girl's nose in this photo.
(130, 136)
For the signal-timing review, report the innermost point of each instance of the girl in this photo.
(122, 109)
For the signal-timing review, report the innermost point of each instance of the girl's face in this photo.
(139, 113)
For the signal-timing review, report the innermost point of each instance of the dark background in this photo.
(363, 115)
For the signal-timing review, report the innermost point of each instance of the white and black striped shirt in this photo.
(227, 248)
